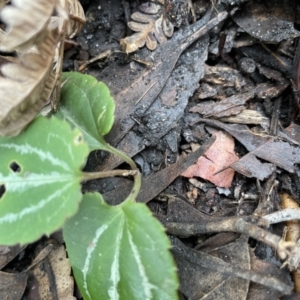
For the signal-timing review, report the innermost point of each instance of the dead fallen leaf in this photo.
(293, 131)
(273, 151)
(257, 20)
(146, 86)
(258, 291)
(219, 156)
(50, 279)
(12, 286)
(24, 26)
(251, 167)
(203, 283)
(264, 147)
(151, 26)
(222, 273)
(22, 87)
(9, 253)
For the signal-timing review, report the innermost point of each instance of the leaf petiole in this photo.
(137, 177)
(111, 173)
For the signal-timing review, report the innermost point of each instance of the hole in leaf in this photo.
(2, 190)
(78, 139)
(15, 167)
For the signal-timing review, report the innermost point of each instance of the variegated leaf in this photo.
(40, 174)
(119, 252)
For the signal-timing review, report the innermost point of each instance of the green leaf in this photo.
(40, 171)
(86, 103)
(119, 252)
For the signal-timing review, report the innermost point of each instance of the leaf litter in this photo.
(144, 104)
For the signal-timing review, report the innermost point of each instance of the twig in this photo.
(283, 215)
(284, 249)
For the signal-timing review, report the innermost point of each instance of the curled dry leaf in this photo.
(22, 89)
(69, 22)
(151, 26)
(29, 84)
(76, 18)
(70, 15)
(25, 28)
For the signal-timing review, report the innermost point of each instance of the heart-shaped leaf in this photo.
(119, 252)
(40, 175)
(87, 104)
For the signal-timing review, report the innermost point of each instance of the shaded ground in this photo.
(240, 84)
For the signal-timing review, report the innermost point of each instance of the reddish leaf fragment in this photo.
(219, 156)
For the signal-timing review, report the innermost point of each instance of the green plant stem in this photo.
(105, 174)
(137, 177)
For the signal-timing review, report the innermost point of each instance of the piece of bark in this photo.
(224, 76)
(224, 108)
(248, 116)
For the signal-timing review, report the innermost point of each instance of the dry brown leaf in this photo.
(25, 28)
(266, 25)
(76, 18)
(151, 26)
(22, 86)
(50, 278)
(69, 22)
(12, 286)
(3, 3)
(29, 85)
(219, 156)
(70, 19)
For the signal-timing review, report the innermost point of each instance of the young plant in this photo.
(118, 252)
